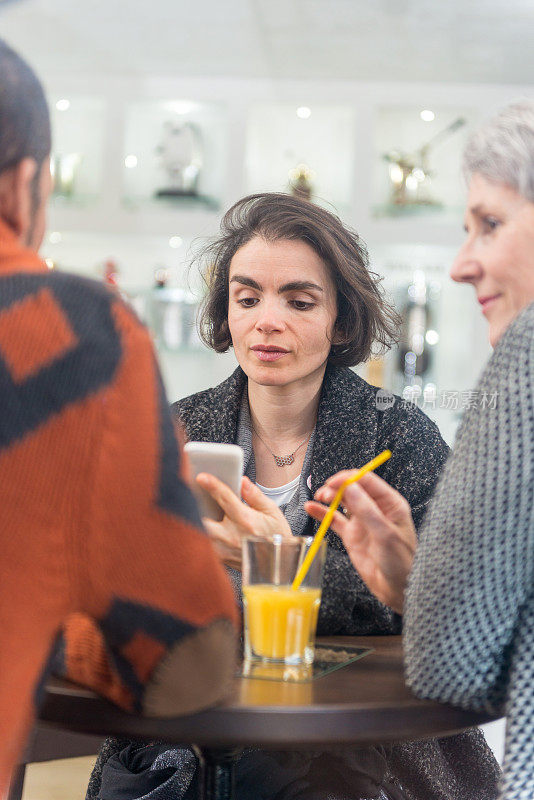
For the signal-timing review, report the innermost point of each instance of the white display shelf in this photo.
(282, 137)
(171, 204)
(170, 313)
(417, 161)
(150, 219)
(78, 135)
(174, 145)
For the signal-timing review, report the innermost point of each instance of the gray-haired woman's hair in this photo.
(502, 150)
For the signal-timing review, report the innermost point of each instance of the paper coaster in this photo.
(327, 659)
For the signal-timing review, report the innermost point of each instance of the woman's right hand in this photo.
(378, 532)
(259, 517)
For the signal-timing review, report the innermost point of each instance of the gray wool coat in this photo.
(350, 431)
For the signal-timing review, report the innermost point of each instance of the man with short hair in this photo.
(99, 536)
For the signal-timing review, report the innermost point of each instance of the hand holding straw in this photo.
(325, 524)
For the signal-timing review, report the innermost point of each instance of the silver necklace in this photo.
(282, 461)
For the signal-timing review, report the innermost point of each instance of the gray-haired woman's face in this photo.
(497, 257)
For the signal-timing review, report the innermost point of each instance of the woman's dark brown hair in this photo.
(364, 318)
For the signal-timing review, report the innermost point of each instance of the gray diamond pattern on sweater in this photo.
(469, 615)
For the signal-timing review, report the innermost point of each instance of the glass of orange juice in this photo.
(280, 622)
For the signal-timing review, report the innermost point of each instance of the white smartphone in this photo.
(225, 461)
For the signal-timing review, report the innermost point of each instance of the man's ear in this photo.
(16, 196)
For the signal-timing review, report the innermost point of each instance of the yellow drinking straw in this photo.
(325, 524)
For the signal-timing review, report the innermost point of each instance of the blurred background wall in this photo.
(166, 113)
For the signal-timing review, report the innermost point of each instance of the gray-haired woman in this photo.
(469, 607)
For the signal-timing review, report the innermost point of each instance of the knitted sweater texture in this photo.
(99, 535)
(469, 619)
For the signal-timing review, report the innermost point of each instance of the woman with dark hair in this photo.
(289, 288)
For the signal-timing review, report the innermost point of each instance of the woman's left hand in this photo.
(259, 517)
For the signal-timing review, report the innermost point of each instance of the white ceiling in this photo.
(487, 41)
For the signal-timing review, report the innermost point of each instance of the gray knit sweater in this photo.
(469, 616)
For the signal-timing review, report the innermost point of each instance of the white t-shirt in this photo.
(280, 494)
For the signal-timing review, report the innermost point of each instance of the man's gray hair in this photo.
(502, 150)
(24, 117)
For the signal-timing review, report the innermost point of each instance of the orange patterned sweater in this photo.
(102, 560)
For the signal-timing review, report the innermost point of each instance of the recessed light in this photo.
(55, 237)
(432, 337)
(63, 105)
(130, 161)
(175, 242)
(427, 115)
(181, 106)
(303, 112)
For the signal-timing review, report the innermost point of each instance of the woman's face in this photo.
(281, 311)
(498, 254)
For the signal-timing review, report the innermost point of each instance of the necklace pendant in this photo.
(284, 461)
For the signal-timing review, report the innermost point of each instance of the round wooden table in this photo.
(365, 702)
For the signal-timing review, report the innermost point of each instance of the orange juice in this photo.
(280, 622)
